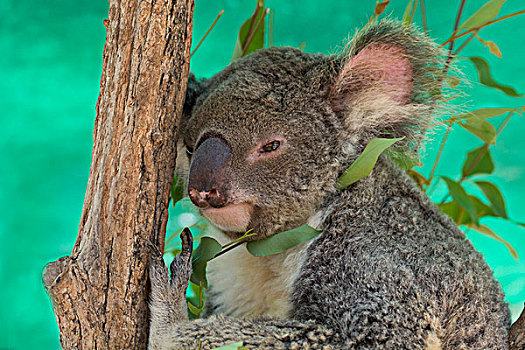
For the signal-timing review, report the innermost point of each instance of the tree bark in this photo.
(99, 293)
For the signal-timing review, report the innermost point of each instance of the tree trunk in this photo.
(99, 293)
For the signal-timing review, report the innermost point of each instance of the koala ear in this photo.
(377, 68)
(387, 80)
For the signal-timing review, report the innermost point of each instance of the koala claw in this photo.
(187, 242)
(180, 268)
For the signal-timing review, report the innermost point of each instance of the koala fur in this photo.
(388, 271)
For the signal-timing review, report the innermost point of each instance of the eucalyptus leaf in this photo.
(366, 161)
(282, 241)
(452, 81)
(405, 160)
(380, 7)
(206, 250)
(486, 79)
(461, 197)
(485, 113)
(249, 29)
(455, 212)
(177, 189)
(482, 208)
(486, 13)
(488, 232)
(460, 216)
(495, 197)
(479, 161)
(481, 128)
(193, 309)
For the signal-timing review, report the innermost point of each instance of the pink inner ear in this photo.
(383, 65)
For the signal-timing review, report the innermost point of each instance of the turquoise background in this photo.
(50, 67)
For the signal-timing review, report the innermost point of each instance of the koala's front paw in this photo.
(168, 297)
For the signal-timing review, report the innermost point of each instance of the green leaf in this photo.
(405, 160)
(486, 79)
(495, 197)
(253, 28)
(232, 346)
(364, 164)
(486, 13)
(481, 128)
(456, 213)
(479, 161)
(418, 178)
(282, 241)
(482, 208)
(485, 113)
(462, 198)
(452, 81)
(193, 309)
(460, 216)
(177, 189)
(206, 250)
(488, 232)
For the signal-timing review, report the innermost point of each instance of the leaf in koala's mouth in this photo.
(282, 241)
(363, 165)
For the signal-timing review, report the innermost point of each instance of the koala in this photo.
(266, 140)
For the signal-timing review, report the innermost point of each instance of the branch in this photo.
(99, 292)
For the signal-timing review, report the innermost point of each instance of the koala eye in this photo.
(271, 146)
(189, 150)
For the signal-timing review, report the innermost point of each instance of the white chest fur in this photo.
(248, 286)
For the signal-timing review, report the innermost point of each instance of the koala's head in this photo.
(268, 136)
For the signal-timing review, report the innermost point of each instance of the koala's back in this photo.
(388, 256)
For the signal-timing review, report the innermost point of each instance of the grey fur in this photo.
(388, 271)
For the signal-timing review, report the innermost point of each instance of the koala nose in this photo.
(208, 182)
(203, 199)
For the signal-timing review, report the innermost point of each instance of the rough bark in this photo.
(99, 292)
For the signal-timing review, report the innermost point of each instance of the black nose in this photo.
(208, 182)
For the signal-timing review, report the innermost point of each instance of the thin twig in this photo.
(270, 29)
(208, 32)
(423, 16)
(258, 7)
(465, 43)
(445, 69)
(413, 12)
(252, 35)
(454, 36)
(441, 147)
(451, 46)
(228, 249)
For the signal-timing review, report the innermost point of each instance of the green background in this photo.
(50, 67)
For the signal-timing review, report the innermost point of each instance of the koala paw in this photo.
(170, 293)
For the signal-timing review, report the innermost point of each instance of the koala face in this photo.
(262, 141)
(269, 135)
